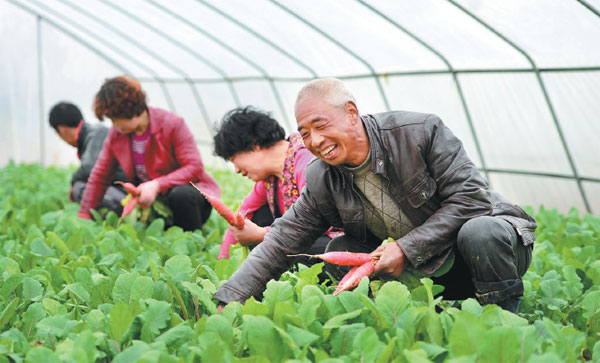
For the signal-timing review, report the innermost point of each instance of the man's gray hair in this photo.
(331, 90)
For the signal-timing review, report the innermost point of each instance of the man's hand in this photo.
(251, 234)
(148, 192)
(390, 260)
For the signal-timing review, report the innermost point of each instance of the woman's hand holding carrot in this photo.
(390, 260)
(249, 234)
(148, 192)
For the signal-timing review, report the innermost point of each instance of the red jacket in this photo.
(171, 158)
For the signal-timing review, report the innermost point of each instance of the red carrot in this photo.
(344, 279)
(239, 219)
(131, 203)
(342, 258)
(232, 218)
(353, 280)
(130, 188)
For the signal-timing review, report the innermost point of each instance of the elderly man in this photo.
(402, 175)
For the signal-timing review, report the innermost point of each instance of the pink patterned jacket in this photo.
(288, 187)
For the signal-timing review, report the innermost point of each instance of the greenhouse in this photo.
(517, 82)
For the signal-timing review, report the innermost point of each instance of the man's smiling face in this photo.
(328, 132)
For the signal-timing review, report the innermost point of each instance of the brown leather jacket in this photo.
(430, 177)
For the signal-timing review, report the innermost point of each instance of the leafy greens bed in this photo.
(86, 291)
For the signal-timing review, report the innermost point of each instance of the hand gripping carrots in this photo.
(133, 201)
(234, 219)
(363, 262)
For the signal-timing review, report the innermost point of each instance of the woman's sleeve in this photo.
(255, 199)
(252, 202)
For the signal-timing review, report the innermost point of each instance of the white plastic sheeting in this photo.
(517, 81)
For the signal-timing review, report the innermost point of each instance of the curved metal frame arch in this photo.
(259, 36)
(232, 50)
(111, 61)
(162, 80)
(454, 77)
(72, 35)
(589, 7)
(38, 36)
(400, 73)
(136, 44)
(187, 49)
(343, 47)
(546, 98)
(101, 40)
(186, 78)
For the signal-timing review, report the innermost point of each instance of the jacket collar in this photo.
(155, 118)
(376, 151)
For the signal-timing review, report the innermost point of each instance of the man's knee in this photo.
(483, 235)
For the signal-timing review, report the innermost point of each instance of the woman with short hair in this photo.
(256, 145)
(156, 150)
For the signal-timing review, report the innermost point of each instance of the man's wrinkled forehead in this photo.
(310, 105)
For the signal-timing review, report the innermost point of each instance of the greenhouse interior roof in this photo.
(518, 81)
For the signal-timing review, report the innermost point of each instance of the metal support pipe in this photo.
(374, 74)
(394, 74)
(260, 37)
(109, 45)
(547, 99)
(41, 90)
(459, 90)
(229, 48)
(589, 7)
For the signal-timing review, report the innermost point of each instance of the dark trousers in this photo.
(496, 258)
(490, 261)
(111, 200)
(263, 217)
(190, 209)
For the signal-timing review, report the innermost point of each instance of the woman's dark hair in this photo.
(120, 97)
(244, 128)
(66, 114)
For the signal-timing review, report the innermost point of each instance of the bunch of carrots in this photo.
(363, 263)
(133, 201)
